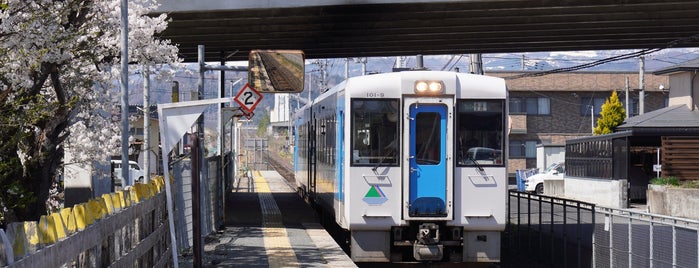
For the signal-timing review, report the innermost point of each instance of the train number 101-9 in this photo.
(374, 95)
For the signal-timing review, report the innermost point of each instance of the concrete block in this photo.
(47, 232)
(608, 193)
(7, 257)
(141, 192)
(95, 209)
(82, 217)
(133, 195)
(124, 199)
(116, 202)
(147, 193)
(31, 232)
(56, 222)
(108, 204)
(673, 201)
(104, 211)
(153, 187)
(18, 239)
(69, 220)
(554, 188)
(158, 182)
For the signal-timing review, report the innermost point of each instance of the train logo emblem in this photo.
(375, 196)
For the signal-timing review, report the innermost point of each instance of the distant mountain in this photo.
(539, 61)
(161, 91)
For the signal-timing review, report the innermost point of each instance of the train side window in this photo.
(374, 132)
(480, 132)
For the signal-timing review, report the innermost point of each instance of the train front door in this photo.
(429, 184)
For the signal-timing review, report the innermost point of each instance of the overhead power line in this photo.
(606, 60)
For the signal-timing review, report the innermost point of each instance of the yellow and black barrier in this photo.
(23, 243)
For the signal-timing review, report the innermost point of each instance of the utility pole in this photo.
(198, 169)
(476, 63)
(347, 68)
(627, 97)
(641, 86)
(592, 119)
(310, 86)
(222, 183)
(322, 67)
(363, 62)
(324, 72)
(146, 125)
(125, 92)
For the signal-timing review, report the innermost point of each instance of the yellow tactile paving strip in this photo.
(277, 245)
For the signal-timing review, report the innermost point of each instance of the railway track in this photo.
(283, 167)
(280, 78)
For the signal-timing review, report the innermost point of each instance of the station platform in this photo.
(267, 224)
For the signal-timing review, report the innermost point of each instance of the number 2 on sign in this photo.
(248, 98)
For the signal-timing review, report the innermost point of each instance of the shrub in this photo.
(691, 184)
(666, 181)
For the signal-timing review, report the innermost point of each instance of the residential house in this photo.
(553, 108)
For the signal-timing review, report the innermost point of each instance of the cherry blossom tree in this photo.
(59, 66)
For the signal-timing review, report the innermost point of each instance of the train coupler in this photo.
(427, 246)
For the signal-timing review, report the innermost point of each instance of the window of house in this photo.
(526, 149)
(136, 131)
(633, 105)
(530, 106)
(587, 102)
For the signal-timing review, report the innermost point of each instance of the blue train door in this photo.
(429, 169)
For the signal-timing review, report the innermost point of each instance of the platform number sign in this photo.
(248, 98)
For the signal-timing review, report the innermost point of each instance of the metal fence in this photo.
(256, 154)
(556, 232)
(625, 238)
(211, 200)
(549, 231)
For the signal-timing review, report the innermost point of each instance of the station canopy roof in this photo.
(335, 29)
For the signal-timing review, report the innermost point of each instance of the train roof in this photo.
(462, 85)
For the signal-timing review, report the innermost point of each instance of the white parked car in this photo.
(135, 172)
(535, 183)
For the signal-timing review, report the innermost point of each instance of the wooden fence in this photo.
(124, 229)
(680, 156)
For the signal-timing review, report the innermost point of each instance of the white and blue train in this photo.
(411, 164)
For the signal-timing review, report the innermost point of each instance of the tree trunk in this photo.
(43, 148)
(40, 171)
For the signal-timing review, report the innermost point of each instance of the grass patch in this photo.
(673, 181)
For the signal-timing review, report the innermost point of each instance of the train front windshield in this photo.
(375, 132)
(480, 132)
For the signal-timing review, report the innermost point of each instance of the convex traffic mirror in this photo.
(276, 71)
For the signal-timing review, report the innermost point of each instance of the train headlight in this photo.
(429, 87)
(421, 87)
